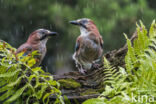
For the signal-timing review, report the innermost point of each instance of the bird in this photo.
(89, 45)
(36, 42)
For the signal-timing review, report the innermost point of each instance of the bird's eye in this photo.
(43, 32)
(84, 21)
(43, 37)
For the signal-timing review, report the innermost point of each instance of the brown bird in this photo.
(36, 41)
(89, 45)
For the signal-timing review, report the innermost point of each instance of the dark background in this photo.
(18, 18)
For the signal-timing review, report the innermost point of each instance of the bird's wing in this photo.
(77, 46)
(97, 38)
(101, 41)
(24, 48)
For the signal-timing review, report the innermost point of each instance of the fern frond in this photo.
(18, 80)
(17, 94)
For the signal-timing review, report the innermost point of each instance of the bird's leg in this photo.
(78, 65)
(95, 64)
(76, 61)
(80, 68)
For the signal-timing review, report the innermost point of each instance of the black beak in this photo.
(74, 22)
(52, 34)
(78, 23)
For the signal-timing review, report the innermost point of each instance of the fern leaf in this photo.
(16, 82)
(17, 94)
(40, 92)
(10, 74)
(6, 95)
(152, 31)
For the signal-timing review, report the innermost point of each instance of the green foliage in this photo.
(20, 81)
(137, 83)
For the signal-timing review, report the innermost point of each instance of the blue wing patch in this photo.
(77, 46)
(25, 54)
(28, 50)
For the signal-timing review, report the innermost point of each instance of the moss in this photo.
(89, 92)
(69, 83)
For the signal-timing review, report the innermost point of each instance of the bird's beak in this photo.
(52, 34)
(77, 23)
(74, 22)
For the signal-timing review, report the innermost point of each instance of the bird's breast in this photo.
(89, 45)
(42, 50)
(89, 50)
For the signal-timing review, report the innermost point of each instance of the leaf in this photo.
(31, 62)
(17, 94)
(10, 74)
(40, 92)
(107, 91)
(46, 96)
(6, 94)
(152, 31)
(37, 69)
(16, 82)
(95, 101)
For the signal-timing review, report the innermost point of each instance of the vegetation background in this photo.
(18, 18)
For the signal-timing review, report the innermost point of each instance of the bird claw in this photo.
(95, 66)
(82, 71)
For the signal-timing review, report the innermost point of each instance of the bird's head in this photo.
(41, 35)
(86, 25)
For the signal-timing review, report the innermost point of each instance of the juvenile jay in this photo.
(36, 41)
(89, 45)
